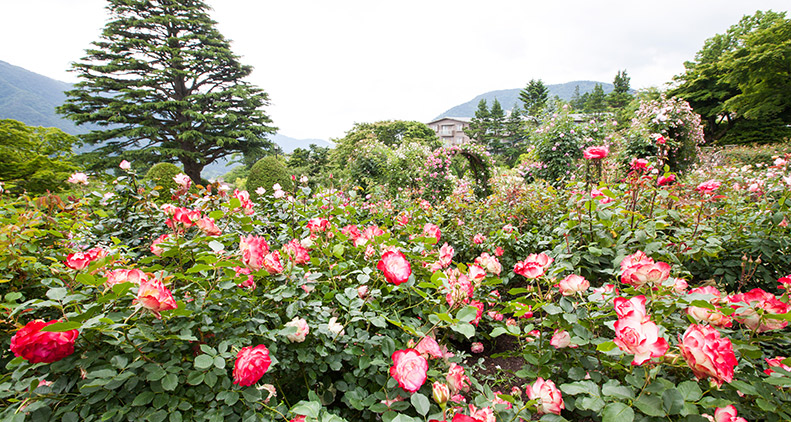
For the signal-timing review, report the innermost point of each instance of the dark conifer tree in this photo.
(164, 86)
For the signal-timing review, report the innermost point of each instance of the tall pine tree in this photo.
(164, 85)
(479, 125)
(534, 97)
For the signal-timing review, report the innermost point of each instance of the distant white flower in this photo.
(277, 186)
(303, 179)
(78, 178)
(334, 327)
(125, 165)
(182, 180)
(260, 190)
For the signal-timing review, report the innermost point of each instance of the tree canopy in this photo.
(164, 86)
(743, 74)
(390, 133)
(35, 159)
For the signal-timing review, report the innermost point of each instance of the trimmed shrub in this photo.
(265, 173)
(162, 174)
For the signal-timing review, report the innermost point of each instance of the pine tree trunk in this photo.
(192, 169)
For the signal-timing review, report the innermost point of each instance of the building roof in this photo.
(458, 119)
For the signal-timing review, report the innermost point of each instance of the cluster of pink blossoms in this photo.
(638, 270)
(534, 266)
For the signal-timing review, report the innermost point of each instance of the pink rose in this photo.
(747, 305)
(561, 339)
(640, 164)
(271, 263)
(640, 338)
(296, 252)
(302, 330)
(776, 362)
(244, 198)
(445, 255)
(666, 180)
(429, 347)
(409, 369)
(651, 274)
(479, 305)
(476, 347)
(708, 354)
(432, 230)
(476, 273)
(34, 345)
(125, 165)
(708, 187)
(478, 239)
(549, 398)
(489, 262)
(318, 225)
(254, 250)
(727, 414)
(456, 378)
(596, 153)
(251, 364)
(533, 266)
(114, 277)
(183, 181)
(633, 308)
(395, 267)
(154, 296)
(155, 248)
(572, 284)
(785, 282)
(208, 227)
(77, 261)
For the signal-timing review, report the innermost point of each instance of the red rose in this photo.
(77, 261)
(251, 364)
(34, 345)
(395, 266)
(409, 369)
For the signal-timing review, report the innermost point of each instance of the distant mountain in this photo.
(31, 98)
(289, 144)
(509, 97)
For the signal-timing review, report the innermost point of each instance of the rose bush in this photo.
(366, 329)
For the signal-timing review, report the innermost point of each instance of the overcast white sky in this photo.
(329, 64)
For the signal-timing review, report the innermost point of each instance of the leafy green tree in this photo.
(717, 74)
(516, 136)
(479, 125)
(534, 97)
(390, 133)
(163, 84)
(34, 159)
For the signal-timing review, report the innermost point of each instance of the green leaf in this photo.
(465, 329)
(170, 382)
(551, 309)
(308, 408)
(467, 314)
(613, 389)
(57, 293)
(421, 403)
(606, 346)
(672, 401)
(59, 327)
(690, 390)
(203, 361)
(195, 377)
(143, 398)
(617, 412)
(580, 387)
(650, 405)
